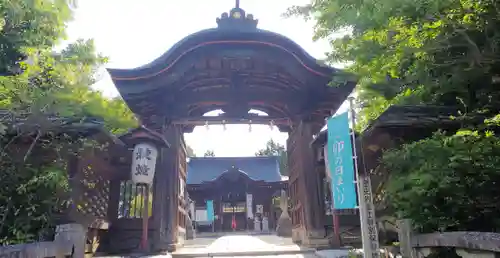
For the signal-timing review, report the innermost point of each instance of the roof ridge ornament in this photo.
(237, 19)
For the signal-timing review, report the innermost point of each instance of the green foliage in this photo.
(31, 197)
(47, 84)
(353, 254)
(209, 153)
(59, 84)
(443, 53)
(447, 175)
(27, 26)
(415, 52)
(275, 149)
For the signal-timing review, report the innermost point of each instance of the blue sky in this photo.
(133, 32)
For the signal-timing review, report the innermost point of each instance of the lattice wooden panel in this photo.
(93, 192)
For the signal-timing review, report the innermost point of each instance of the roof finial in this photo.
(237, 19)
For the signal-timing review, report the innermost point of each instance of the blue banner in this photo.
(210, 210)
(341, 163)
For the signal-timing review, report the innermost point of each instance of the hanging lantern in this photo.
(144, 163)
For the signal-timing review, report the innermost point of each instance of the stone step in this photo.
(252, 253)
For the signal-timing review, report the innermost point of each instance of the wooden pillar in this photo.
(160, 205)
(308, 183)
(165, 200)
(294, 188)
(306, 168)
(313, 186)
(173, 136)
(317, 190)
(114, 199)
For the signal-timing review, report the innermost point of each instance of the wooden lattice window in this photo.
(131, 202)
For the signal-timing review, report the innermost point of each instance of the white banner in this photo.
(368, 219)
(249, 206)
(144, 163)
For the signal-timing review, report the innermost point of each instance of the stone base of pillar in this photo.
(316, 239)
(317, 243)
(74, 235)
(284, 228)
(157, 247)
(298, 235)
(181, 236)
(334, 241)
(312, 239)
(172, 247)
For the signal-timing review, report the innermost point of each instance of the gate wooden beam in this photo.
(218, 120)
(226, 95)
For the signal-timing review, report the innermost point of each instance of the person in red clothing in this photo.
(233, 223)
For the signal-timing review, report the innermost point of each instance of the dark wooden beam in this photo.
(244, 95)
(281, 128)
(218, 120)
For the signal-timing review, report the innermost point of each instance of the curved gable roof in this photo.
(240, 31)
(209, 168)
(216, 36)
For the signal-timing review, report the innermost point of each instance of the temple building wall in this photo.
(242, 199)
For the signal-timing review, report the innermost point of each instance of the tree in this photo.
(209, 153)
(277, 150)
(51, 84)
(27, 27)
(190, 151)
(446, 183)
(415, 52)
(442, 53)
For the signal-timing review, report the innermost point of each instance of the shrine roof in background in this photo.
(234, 67)
(208, 169)
(404, 117)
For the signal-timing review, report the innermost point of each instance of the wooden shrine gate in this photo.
(235, 68)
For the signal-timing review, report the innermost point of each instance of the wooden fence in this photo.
(69, 241)
(466, 244)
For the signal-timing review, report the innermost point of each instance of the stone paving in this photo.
(243, 246)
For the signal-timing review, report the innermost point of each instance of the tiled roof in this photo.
(209, 168)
